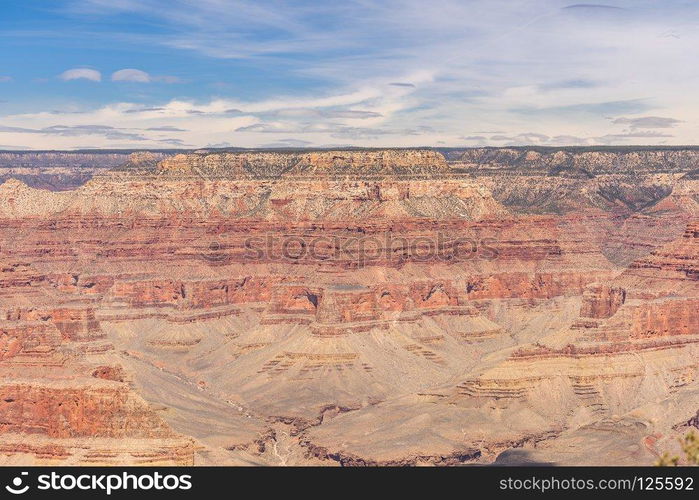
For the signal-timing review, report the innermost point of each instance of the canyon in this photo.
(348, 307)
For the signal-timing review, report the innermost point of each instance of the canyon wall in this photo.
(217, 307)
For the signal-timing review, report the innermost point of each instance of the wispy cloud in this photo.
(595, 108)
(374, 73)
(533, 138)
(591, 7)
(648, 122)
(131, 75)
(577, 83)
(166, 129)
(77, 131)
(81, 74)
(138, 76)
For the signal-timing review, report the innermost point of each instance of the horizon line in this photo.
(349, 148)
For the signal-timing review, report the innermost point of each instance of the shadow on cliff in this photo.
(519, 457)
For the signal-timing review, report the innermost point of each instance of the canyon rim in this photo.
(348, 307)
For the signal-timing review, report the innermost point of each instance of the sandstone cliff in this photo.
(317, 164)
(353, 307)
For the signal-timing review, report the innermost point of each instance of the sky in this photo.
(161, 74)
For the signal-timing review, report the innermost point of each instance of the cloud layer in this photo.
(370, 73)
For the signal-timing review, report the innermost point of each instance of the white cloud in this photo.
(5, 78)
(131, 75)
(138, 76)
(395, 73)
(81, 73)
(318, 120)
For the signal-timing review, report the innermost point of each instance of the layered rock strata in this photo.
(351, 307)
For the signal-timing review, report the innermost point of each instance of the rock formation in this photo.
(350, 307)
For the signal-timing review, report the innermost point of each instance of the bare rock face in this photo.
(316, 164)
(55, 159)
(581, 160)
(60, 171)
(352, 307)
(74, 411)
(602, 301)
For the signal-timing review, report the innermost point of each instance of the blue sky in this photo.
(205, 73)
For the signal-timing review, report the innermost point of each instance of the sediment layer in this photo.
(347, 307)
